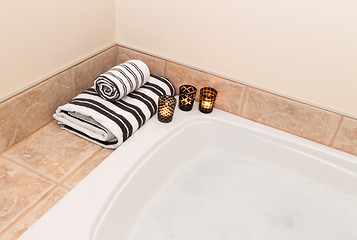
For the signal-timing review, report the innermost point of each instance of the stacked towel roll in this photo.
(121, 80)
(110, 123)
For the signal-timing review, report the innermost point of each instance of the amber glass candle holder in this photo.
(207, 99)
(166, 108)
(187, 97)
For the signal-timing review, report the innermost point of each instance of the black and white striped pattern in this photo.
(121, 80)
(109, 123)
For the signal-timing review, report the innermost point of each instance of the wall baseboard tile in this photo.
(297, 118)
(29, 110)
(346, 137)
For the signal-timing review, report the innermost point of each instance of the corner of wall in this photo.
(27, 111)
(116, 21)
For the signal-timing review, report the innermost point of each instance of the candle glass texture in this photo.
(166, 108)
(187, 97)
(207, 99)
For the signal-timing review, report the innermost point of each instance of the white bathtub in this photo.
(110, 202)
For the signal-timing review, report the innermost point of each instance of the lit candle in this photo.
(187, 94)
(166, 108)
(165, 111)
(184, 101)
(206, 104)
(207, 99)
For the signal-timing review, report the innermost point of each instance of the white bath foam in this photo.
(218, 196)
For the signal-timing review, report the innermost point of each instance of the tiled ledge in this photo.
(38, 171)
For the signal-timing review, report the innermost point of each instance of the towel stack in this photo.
(120, 102)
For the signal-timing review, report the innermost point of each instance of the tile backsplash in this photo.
(294, 117)
(26, 112)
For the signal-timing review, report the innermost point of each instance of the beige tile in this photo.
(346, 138)
(22, 224)
(291, 116)
(19, 189)
(87, 168)
(86, 72)
(28, 111)
(156, 65)
(230, 94)
(83, 77)
(52, 152)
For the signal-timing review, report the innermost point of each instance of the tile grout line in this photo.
(26, 211)
(117, 54)
(67, 188)
(336, 132)
(244, 99)
(165, 68)
(30, 169)
(69, 175)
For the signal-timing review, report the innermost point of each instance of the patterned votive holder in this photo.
(207, 99)
(166, 108)
(187, 97)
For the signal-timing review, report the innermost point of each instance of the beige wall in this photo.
(39, 38)
(303, 49)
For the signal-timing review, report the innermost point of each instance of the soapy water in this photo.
(219, 196)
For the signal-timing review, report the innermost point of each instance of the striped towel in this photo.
(121, 80)
(110, 123)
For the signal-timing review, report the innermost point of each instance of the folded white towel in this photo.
(122, 79)
(110, 123)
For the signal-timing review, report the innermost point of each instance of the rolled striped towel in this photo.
(109, 123)
(122, 79)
